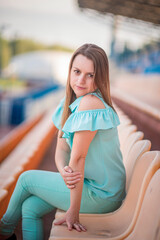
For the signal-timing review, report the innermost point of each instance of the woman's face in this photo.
(82, 76)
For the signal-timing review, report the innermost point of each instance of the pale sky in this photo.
(60, 22)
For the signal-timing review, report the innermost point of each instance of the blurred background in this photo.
(37, 39)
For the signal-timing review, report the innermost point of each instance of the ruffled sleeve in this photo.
(56, 117)
(96, 119)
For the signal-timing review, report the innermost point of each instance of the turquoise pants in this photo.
(39, 192)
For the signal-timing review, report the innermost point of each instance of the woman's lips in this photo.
(81, 88)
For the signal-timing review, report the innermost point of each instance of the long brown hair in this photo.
(101, 80)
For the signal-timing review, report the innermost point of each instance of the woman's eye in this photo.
(90, 75)
(76, 71)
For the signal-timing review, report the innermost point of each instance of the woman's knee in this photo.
(26, 176)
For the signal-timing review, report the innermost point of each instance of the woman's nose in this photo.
(81, 79)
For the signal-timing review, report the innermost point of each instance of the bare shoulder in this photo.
(90, 102)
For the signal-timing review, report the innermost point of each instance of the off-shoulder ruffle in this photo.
(96, 119)
(56, 117)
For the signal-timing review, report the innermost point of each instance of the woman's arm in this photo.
(81, 144)
(80, 147)
(62, 157)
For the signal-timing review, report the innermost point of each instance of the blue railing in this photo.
(15, 110)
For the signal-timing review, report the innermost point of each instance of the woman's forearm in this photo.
(81, 142)
(76, 193)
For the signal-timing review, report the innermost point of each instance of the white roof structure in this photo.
(39, 65)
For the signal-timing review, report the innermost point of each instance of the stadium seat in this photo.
(148, 223)
(138, 149)
(132, 139)
(124, 131)
(118, 224)
(8, 143)
(3, 203)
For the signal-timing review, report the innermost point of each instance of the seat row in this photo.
(27, 154)
(8, 143)
(139, 215)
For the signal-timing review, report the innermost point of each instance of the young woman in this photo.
(91, 176)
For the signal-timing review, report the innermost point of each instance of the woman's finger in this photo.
(73, 182)
(68, 169)
(71, 186)
(83, 227)
(69, 226)
(73, 174)
(77, 227)
(73, 178)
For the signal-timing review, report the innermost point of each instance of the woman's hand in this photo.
(70, 178)
(72, 220)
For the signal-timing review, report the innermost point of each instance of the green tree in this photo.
(5, 52)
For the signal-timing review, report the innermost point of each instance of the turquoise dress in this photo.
(104, 170)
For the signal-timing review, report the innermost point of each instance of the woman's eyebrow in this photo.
(76, 67)
(80, 70)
